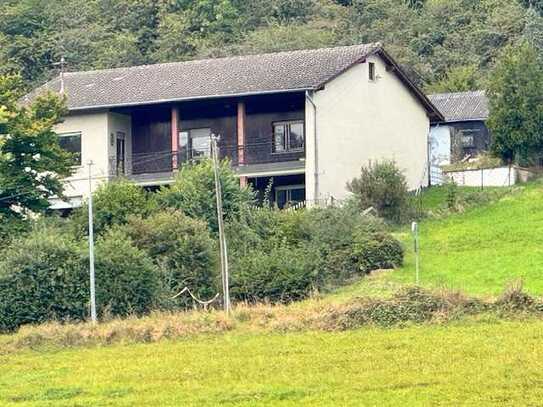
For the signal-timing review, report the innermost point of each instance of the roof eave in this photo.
(187, 99)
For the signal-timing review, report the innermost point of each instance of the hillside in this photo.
(485, 248)
(362, 344)
(444, 45)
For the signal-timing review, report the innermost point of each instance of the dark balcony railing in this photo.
(258, 153)
(166, 161)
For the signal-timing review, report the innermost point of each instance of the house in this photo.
(303, 121)
(463, 131)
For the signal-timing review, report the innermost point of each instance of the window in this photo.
(467, 137)
(289, 195)
(371, 71)
(288, 137)
(71, 142)
(195, 144)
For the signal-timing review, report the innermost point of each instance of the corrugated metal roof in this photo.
(461, 106)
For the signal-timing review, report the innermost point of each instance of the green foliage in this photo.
(42, 278)
(32, 164)
(377, 251)
(458, 79)
(127, 282)
(516, 111)
(193, 192)
(183, 251)
(285, 255)
(113, 203)
(435, 40)
(282, 274)
(381, 185)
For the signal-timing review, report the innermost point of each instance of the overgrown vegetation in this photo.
(383, 187)
(446, 45)
(516, 111)
(150, 247)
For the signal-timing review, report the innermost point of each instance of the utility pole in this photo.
(91, 250)
(220, 219)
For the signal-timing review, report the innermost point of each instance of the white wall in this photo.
(359, 120)
(490, 177)
(94, 146)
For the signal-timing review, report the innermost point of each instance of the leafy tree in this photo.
(193, 192)
(458, 79)
(32, 164)
(516, 104)
(113, 204)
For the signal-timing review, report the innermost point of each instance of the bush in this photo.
(282, 274)
(127, 282)
(45, 276)
(377, 251)
(113, 203)
(382, 185)
(42, 278)
(194, 193)
(182, 249)
(320, 248)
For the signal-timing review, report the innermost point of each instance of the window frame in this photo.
(288, 189)
(78, 163)
(286, 136)
(468, 133)
(372, 72)
(189, 146)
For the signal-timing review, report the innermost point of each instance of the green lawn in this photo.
(468, 364)
(482, 250)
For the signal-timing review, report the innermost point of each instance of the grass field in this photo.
(467, 364)
(474, 361)
(482, 250)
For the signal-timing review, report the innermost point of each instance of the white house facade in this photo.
(300, 122)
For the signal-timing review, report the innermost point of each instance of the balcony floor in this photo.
(270, 169)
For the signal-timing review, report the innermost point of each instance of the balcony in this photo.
(249, 160)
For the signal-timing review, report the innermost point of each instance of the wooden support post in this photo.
(175, 136)
(241, 133)
(241, 139)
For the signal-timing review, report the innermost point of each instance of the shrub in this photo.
(194, 193)
(320, 247)
(377, 251)
(282, 274)
(42, 278)
(127, 282)
(182, 249)
(45, 276)
(113, 203)
(382, 185)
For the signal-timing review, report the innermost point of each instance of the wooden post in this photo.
(175, 136)
(241, 139)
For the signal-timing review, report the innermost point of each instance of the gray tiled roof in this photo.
(240, 75)
(461, 106)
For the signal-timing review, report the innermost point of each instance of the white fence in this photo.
(490, 177)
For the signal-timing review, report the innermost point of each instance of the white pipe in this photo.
(316, 158)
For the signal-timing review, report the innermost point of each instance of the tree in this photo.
(516, 104)
(32, 164)
(193, 192)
